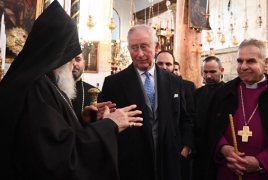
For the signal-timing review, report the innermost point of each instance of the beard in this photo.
(65, 81)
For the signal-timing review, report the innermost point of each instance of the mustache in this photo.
(76, 68)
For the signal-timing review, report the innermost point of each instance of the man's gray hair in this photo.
(257, 43)
(145, 28)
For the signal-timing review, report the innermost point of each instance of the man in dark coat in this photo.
(245, 98)
(165, 60)
(153, 151)
(82, 98)
(190, 84)
(40, 135)
(212, 74)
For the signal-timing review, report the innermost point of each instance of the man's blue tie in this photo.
(149, 88)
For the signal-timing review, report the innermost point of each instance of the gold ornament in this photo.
(90, 23)
(234, 41)
(16, 38)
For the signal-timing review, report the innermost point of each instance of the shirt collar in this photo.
(255, 85)
(151, 71)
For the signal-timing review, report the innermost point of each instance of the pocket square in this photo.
(176, 95)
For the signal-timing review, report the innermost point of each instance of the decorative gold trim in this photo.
(75, 2)
(16, 38)
(76, 14)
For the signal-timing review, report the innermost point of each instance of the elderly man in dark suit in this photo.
(152, 152)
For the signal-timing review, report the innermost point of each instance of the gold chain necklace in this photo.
(63, 98)
(83, 96)
(245, 133)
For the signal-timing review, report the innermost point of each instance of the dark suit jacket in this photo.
(190, 85)
(135, 145)
(189, 88)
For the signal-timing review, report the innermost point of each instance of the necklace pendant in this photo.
(245, 133)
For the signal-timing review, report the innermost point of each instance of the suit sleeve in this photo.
(186, 125)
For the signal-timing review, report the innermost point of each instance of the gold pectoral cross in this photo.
(245, 133)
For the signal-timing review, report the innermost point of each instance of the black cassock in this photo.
(53, 145)
(40, 136)
(81, 100)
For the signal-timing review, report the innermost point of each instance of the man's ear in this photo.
(157, 47)
(266, 65)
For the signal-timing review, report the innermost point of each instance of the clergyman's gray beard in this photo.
(65, 81)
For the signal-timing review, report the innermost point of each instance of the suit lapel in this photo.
(134, 93)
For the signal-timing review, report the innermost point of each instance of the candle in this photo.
(3, 42)
(207, 7)
(234, 139)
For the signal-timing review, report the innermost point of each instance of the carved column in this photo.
(75, 10)
(184, 36)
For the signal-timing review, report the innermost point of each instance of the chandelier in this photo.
(2, 72)
(120, 57)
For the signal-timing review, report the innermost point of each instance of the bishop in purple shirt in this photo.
(246, 99)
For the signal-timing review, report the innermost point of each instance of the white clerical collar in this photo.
(255, 85)
(151, 71)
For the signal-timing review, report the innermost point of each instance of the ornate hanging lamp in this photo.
(259, 21)
(246, 17)
(211, 52)
(132, 20)
(209, 38)
(234, 41)
(90, 22)
(222, 40)
(112, 25)
(219, 21)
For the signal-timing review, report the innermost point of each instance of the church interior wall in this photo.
(227, 52)
(101, 13)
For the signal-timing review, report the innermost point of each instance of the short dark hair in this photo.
(166, 52)
(211, 58)
(176, 63)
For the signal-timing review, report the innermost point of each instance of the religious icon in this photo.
(19, 18)
(90, 54)
(198, 14)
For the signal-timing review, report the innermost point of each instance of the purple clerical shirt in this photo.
(257, 145)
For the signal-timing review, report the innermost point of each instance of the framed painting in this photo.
(90, 51)
(19, 16)
(197, 14)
